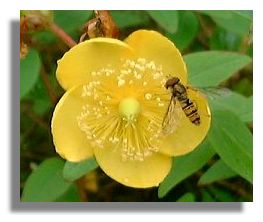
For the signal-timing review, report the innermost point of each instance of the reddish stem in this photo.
(60, 33)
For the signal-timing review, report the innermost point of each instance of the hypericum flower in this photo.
(114, 106)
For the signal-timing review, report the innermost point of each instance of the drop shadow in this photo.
(15, 114)
(18, 206)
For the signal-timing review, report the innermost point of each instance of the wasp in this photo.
(179, 93)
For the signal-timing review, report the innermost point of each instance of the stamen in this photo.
(121, 82)
(148, 96)
(121, 109)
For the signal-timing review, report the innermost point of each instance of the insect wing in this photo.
(170, 120)
(212, 92)
(215, 92)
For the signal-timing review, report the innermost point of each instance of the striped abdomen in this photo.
(190, 111)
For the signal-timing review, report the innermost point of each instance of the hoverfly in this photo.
(179, 92)
(189, 107)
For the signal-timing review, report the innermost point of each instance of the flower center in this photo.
(129, 108)
(125, 108)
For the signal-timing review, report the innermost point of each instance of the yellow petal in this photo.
(152, 45)
(70, 142)
(139, 174)
(187, 136)
(76, 65)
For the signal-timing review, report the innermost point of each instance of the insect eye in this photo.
(176, 80)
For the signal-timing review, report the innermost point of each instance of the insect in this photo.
(179, 93)
(100, 26)
(189, 107)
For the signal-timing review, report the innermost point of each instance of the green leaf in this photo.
(185, 166)
(69, 20)
(45, 37)
(187, 197)
(246, 14)
(39, 98)
(167, 19)
(73, 171)
(232, 141)
(127, 19)
(213, 67)
(72, 195)
(29, 72)
(238, 22)
(72, 21)
(236, 103)
(248, 116)
(244, 86)
(222, 195)
(224, 40)
(187, 30)
(206, 196)
(46, 183)
(218, 171)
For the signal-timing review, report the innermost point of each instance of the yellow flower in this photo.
(115, 103)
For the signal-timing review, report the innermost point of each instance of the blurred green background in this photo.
(219, 170)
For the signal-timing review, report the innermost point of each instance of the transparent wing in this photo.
(171, 117)
(213, 92)
(216, 92)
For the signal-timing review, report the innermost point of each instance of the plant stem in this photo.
(51, 93)
(60, 33)
(236, 189)
(37, 119)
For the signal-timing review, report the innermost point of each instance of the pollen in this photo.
(123, 110)
(121, 82)
(148, 96)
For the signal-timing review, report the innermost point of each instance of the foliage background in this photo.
(217, 47)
